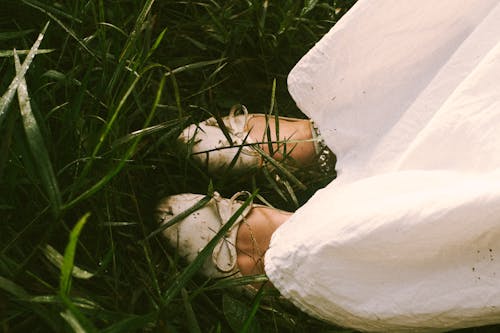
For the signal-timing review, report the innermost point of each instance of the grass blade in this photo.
(9, 53)
(142, 132)
(237, 155)
(238, 313)
(57, 260)
(69, 256)
(247, 325)
(276, 122)
(72, 314)
(9, 94)
(308, 6)
(238, 282)
(291, 192)
(273, 183)
(276, 113)
(138, 26)
(12, 288)
(14, 34)
(180, 217)
(192, 322)
(47, 11)
(36, 144)
(195, 65)
(281, 168)
(73, 322)
(53, 299)
(47, 8)
(131, 324)
(157, 43)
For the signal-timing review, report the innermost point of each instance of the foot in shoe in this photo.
(240, 251)
(210, 147)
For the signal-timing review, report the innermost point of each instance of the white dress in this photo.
(407, 238)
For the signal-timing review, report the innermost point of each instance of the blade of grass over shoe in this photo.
(196, 230)
(178, 218)
(206, 252)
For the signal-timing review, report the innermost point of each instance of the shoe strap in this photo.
(326, 159)
(225, 256)
(238, 124)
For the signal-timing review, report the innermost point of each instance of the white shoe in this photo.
(210, 147)
(193, 233)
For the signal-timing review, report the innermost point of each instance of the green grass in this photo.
(87, 148)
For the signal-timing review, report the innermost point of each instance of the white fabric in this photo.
(407, 94)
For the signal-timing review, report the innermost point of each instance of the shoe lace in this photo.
(225, 256)
(235, 125)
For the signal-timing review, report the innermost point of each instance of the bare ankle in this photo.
(254, 236)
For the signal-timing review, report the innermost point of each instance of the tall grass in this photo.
(87, 148)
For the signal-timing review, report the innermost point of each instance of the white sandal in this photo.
(193, 233)
(211, 148)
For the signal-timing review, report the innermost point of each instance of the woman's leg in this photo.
(289, 129)
(254, 236)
